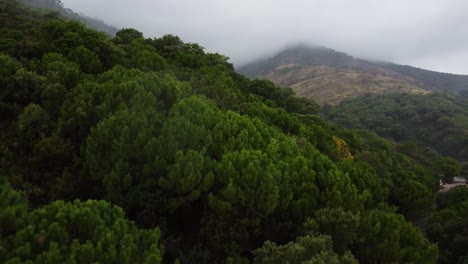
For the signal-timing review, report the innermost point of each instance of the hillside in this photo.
(151, 150)
(330, 77)
(437, 81)
(435, 121)
(57, 6)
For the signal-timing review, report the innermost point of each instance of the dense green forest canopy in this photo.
(447, 226)
(437, 122)
(140, 150)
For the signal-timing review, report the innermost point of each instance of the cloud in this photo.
(431, 33)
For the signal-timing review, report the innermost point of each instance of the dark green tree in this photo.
(127, 35)
(13, 214)
(386, 237)
(447, 226)
(92, 231)
(307, 249)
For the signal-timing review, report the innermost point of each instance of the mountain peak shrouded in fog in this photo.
(427, 34)
(299, 54)
(330, 76)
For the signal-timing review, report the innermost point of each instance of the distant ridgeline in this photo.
(151, 150)
(57, 5)
(331, 77)
(432, 80)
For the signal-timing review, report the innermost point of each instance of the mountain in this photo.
(150, 150)
(436, 121)
(432, 80)
(57, 6)
(329, 76)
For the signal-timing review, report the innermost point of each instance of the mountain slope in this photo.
(208, 166)
(57, 5)
(328, 76)
(436, 121)
(431, 79)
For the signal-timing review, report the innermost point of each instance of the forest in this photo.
(422, 126)
(150, 150)
(436, 122)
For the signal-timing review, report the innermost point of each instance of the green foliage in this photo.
(386, 237)
(87, 59)
(33, 124)
(184, 55)
(92, 231)
(115, 157)
(13, 211)
(436, 120)
(284, 97)
(18, 31)
(22, 87)
(60, 70)
(366, 181)
(340, 225)
(174, 138)
(308, 249)
(453, 197)
(8, 67)
(248, 195)
(136, 52)
(127, 35)
(447, 226)
(410, 185)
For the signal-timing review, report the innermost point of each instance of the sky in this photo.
(430, 34)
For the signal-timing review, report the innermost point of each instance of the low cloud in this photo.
(429, 34)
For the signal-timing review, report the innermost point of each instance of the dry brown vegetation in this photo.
(333, 85)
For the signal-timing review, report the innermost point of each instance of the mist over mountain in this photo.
(330, 76)
(437, 81)
(57, 5)
(427, 34)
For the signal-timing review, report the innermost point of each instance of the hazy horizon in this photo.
(427, 34)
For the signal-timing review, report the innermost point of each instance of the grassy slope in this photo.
(334, 85)
(331, 77)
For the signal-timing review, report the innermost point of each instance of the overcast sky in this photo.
(431, 34)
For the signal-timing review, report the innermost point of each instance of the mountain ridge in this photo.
(458, 82)
(330, 76)
(57, 6)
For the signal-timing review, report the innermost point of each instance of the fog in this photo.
(431, 34)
